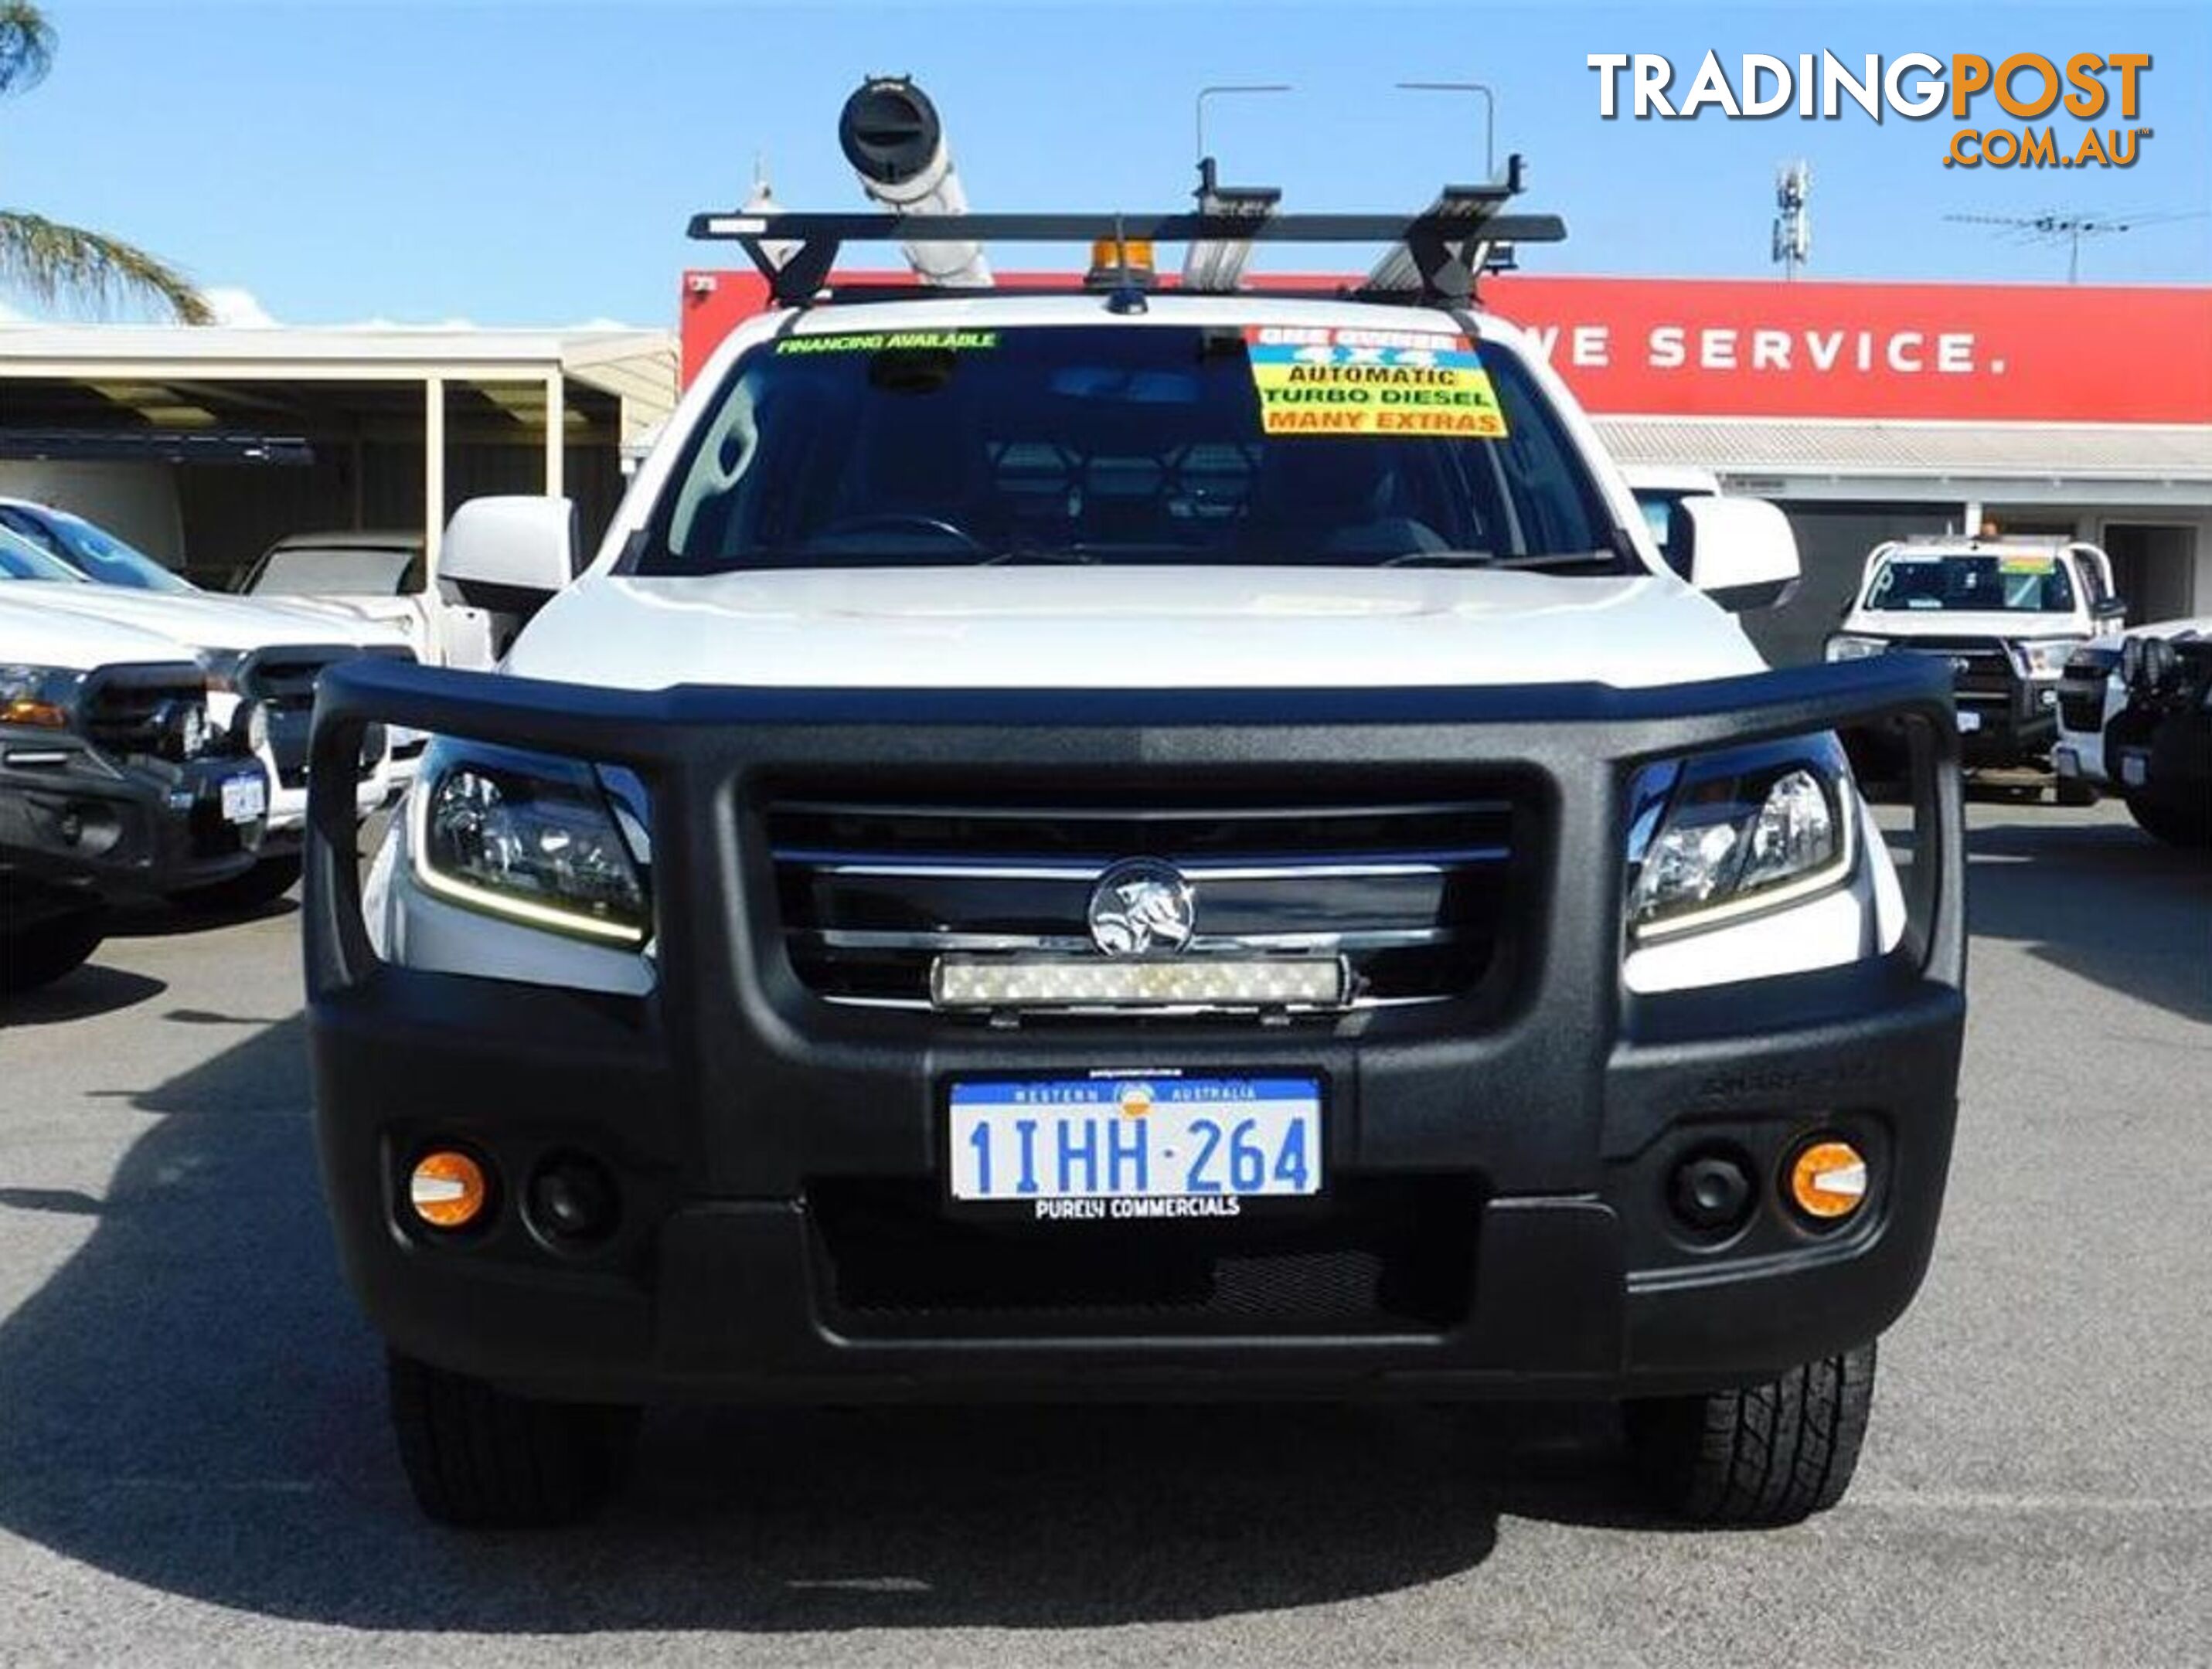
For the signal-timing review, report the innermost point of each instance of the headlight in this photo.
(1721, 836)
(531, 838)
(2045, 659)
(42, 696)
(1844, 648)
(223, 667)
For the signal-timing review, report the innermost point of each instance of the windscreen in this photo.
(21, 560)
(1994, 584)
(337, 571)
(101, 556)
(1131, 443)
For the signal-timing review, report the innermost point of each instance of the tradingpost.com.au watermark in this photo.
(2027, 86)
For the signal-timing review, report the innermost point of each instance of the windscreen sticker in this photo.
(2027, 564)
(877, 342)
(1319, 381)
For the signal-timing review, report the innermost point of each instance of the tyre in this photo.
(257, 888)
(41, 952)
(2176, 825)
(1764, 1454)
(2075, 793)
(481, 1457)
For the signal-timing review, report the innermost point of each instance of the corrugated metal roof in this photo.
(1818, 446)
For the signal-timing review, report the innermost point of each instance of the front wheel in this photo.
(40, 952)
(1761, 1455)
(2176, 825)
(481, 1457)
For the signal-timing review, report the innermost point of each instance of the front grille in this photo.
(147, 713)
(1981, 668)
(282, 681)
(1377, 1256)
(1410, 894)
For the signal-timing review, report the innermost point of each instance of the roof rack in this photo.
(1436, 254)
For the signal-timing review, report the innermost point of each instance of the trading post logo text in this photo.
(2027, 86)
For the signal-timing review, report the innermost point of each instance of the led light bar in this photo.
(998, 982)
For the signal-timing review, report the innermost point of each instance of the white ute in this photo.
(261, 661)
(113, 784)
(1123, 841)
(2006, 614)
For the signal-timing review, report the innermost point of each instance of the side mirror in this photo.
(1740, 551)
(509, 554)
(2112, 608)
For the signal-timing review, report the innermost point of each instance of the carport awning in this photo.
(2151, 453)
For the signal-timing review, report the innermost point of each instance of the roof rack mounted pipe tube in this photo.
(892, 135)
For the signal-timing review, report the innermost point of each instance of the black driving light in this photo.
(1711, 1191)
(572, 1200)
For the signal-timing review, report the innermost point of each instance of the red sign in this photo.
(1747, 348)
(1983, 353)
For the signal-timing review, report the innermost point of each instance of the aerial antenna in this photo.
(1489, 116)
(1793, 224)
(2072, 226)
(1197, 111)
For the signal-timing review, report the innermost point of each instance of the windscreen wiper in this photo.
(1581, 562)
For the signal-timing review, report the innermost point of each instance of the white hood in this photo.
(1129, 628)
(203, 621)
(33, 636)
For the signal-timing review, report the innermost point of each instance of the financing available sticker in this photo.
(1313, 381)
(879, 342)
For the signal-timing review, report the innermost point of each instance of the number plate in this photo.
(1969, 720)
(244, 798)
(1110, 1146)
(2135, 770)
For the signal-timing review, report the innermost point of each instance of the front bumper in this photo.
(122, 829)
(775, 1155)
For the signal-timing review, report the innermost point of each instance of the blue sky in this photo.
(534, 163)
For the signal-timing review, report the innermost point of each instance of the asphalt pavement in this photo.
(194, 1463)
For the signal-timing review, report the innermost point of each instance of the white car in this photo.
(1126, 843)
(113, 784)
(2004, 614)
(384, 576)
(2092, 690)
(261, 662)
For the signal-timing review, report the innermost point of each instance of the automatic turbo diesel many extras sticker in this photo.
(877, 342)
(1319, 381)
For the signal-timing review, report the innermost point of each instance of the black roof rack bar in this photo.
(1181, 226)
(1436, 239)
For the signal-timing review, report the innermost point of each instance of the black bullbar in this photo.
(757, 1134)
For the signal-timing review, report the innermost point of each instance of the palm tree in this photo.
(53, 263)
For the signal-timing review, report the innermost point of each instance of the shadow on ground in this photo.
(2062, 884)
(192, 1404)
(90, 990)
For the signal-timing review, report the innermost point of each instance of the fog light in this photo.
(1828, 1180)
(572, 1200)
(447, 1189)
(1711, 1191)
